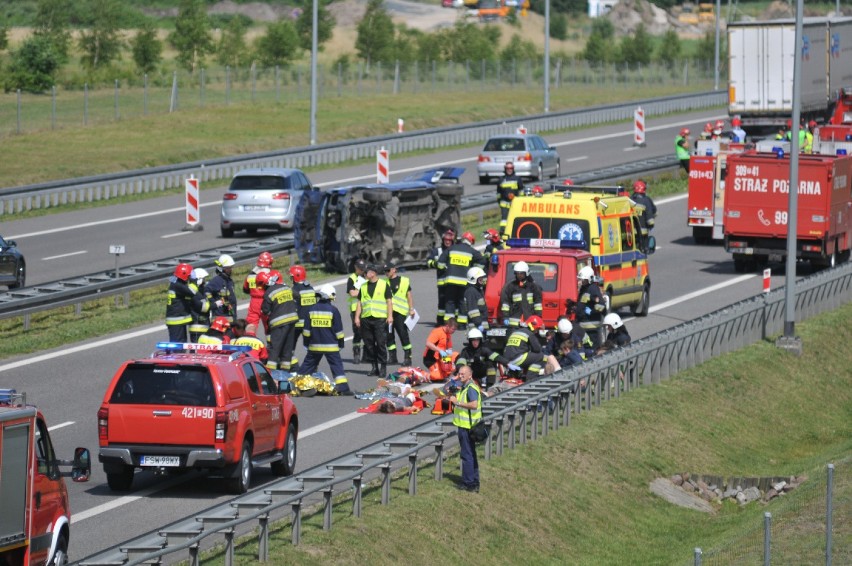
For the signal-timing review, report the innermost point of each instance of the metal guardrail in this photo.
(517, 415)
(104, 187)
(29, 300)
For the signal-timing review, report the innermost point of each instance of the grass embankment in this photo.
(195, 133)
(56, 327)
(581, 496)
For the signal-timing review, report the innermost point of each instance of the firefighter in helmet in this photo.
(179, 303)
(508, 188)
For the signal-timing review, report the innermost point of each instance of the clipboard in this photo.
(411, 320)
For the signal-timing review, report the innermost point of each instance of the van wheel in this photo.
(120, 481)
(60, 556)
(287, 465)
(641, 308)
(377, 195)
(241, 480)
(740, 264)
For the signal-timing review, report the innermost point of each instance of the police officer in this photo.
(448, 238)
(524, 350)
(323, 332)
(494, 243)
(221, 289)
(179, 303)
(374, 314)
(480, 358)
(682, 148)
(353, 286)
(200, 304)
(457, 259)
(641, 197)
(280, 307)
(508, 188)
(520, 298)
(253, 290)
(216, 334)
(403, 307)
(473, 312)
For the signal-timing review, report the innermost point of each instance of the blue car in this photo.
(400, 222)
(13, 267)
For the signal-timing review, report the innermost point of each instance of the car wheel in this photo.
(558, 172)
(483, 179)
(251, 231)
(122, 480)
(377, 195)
(227, 232)
(449, 190)
(20, 277)
(287, 465)
(641, 308)
(241, 479)
(539, 173)
(60, 555)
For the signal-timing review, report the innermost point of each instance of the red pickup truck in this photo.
(196, 406)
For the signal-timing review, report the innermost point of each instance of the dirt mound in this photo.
(628, 14)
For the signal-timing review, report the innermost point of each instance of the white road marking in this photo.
(342, 181)
(164, 236)
(632, 148)
(64, 255)
(60, 425)
(695, 294)
(580, 158)
(76, 517)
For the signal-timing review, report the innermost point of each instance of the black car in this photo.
(13, 267)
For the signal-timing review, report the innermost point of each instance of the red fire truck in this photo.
(706, 189)
(756, 208)
(35, 516)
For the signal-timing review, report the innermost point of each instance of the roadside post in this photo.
(639, 127)
(117, 250)
(193, 220)
(382, 166)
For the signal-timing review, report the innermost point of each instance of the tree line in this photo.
(101, 41)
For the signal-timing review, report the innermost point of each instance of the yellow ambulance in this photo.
(606, 220)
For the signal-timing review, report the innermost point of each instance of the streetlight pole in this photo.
(718, 17)
(314, 73)
(547, 55)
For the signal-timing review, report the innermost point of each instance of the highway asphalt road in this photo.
(68, 383)
(61, 246)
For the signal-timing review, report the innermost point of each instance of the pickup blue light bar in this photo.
(189, 346)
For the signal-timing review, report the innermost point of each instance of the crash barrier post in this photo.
(382, 167)
(193, 219)
(639, 127)
(728, 329)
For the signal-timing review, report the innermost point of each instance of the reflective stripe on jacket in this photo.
(279, 306)
(400, 297)
(466, 418)
(375, 306)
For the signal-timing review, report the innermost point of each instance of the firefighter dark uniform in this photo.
(402, 307)
(305, 298)
(200, 311)
(179, 303)
(222, 294)
(492, 247)
(457, 259)
(441, 273)
(508, 188)
(217, 333)
(524, 349)
(353, 283)
(481, 360)
(323, 332)
(473, 312)
(520, 299)
(280, 308)
(372, 313)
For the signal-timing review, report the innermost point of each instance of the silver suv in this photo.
(532, 156)
(262, 198)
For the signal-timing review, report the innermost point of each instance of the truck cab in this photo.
(35, 516)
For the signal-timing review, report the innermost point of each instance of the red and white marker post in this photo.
(521, 129)
(193, 219)
(639, 127)
(382, 167)
(400, 125)
(767, 280)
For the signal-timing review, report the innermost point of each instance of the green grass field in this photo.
(581, 496)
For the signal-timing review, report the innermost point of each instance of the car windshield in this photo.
(544, 274)
(557, 228)
(151, 384)
(260, 182)
(505, 144)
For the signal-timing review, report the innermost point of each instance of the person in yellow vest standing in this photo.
(403, 307)
(353, 291)
(467, 411)
(373, 315)
(682, 148)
